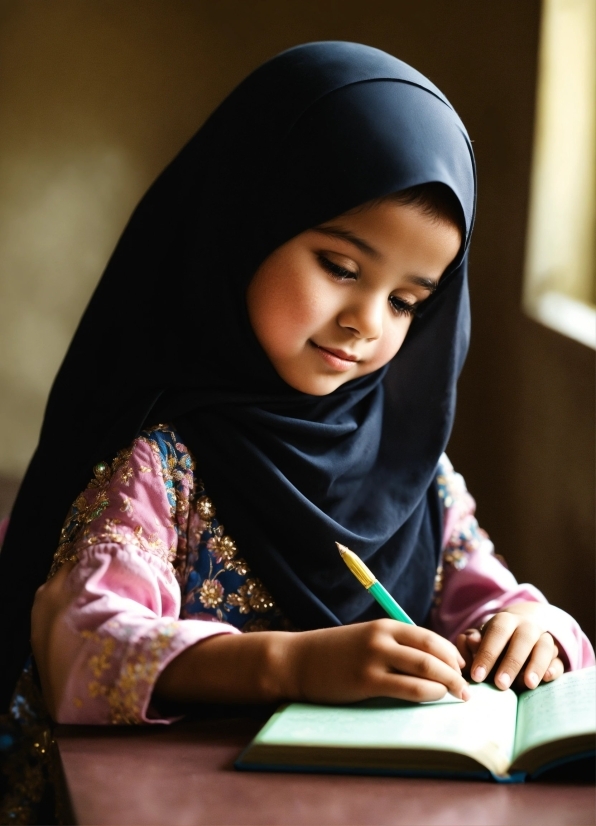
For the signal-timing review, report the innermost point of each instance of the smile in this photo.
(337, 359)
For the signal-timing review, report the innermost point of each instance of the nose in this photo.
(364, 317)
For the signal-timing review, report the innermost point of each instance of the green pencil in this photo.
(373, 586)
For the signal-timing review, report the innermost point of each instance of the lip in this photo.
(337, 359)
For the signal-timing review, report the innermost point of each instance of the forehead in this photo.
(385, 229)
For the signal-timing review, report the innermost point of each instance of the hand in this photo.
(383, 658)
(516, 645)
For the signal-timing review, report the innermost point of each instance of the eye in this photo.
(340, 273)
(401, 307)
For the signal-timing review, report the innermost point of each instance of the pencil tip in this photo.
(341, 548)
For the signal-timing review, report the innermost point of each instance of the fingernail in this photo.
(533, 679)
(548, 674)
(479, 673)
(504, 680)
(465, 694)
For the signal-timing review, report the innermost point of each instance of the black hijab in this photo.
(314, 132)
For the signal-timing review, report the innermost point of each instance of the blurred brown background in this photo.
(97, 96)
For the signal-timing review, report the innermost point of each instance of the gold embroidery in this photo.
(126, 475)
(445, 490)
(225, 551)
(211, 593)
(28, 766)
(99, 663)
(252, 596)
(126, 695)
(87, 508)
(205, 509)
(124, 536)
(456, 557)
(126, 506)
(438, 585)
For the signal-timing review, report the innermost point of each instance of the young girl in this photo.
(274, 348)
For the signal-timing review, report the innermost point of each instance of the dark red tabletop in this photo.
(183, 775)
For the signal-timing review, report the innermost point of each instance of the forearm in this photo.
(239, 668)
(346, 664)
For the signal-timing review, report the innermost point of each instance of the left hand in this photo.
(516, 640)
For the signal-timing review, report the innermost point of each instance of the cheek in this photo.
(283, 313)
(391, 343)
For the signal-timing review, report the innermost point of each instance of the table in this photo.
(183, 775)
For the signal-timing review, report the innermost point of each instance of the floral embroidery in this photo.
(87, 508)
(123, 535)
(468, 537)
(205, 509)
(126, 694)
(252, 595)
(211, 593)
(28, 754)
(451, 485)
(218, 580)
(215, 580)
(126, 506)
(177, 470)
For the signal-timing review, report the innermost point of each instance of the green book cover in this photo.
(496, 733)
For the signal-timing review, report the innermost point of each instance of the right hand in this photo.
(383, 658)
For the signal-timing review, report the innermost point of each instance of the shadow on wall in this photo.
(8, 492)
(98, 96)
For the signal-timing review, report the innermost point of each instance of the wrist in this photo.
(532, 610)
(281, 666)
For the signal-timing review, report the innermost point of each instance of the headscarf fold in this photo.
(318, 130)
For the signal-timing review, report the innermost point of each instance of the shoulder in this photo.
(140, 497)
(173, 457)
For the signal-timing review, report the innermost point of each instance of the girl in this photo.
(274, 347)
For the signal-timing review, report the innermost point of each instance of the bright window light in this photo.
(560, 282)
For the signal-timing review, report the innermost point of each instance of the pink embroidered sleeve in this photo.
(473, 584)
(103, 633)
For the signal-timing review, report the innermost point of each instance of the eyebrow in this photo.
(364, 246)
(346, 235)
(425, 283)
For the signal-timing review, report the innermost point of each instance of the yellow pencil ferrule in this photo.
(363, 574)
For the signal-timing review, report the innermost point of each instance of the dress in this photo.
(156, 572)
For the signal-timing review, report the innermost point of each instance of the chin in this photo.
(317, 387)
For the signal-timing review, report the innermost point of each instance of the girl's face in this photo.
(335, 302)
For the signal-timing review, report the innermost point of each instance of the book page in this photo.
(556, 710)
(485, 725)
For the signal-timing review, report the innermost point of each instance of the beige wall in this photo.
(97, 96)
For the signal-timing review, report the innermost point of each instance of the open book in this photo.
(496, 733)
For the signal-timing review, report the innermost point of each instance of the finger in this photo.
(406, 687)
(540, 659)
(524, 640)
(425, 640)
(461, 643)
(474, 639)
(423, 665)
(463, 646)
(554, 671)
(496, 636)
